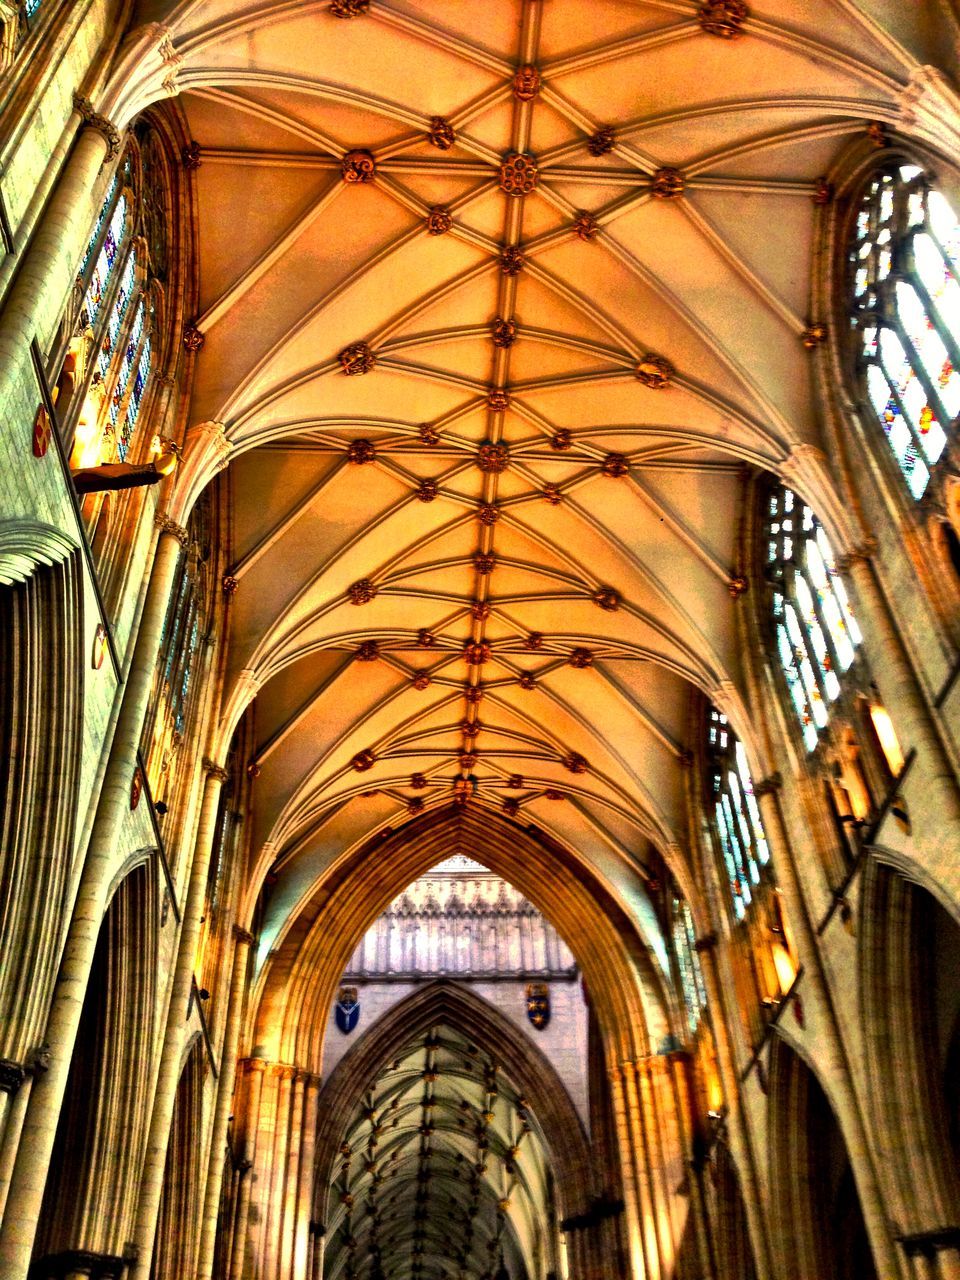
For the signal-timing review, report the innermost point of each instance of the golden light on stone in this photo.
(362, 592)
(426, 639)
(418, 781)
(737, 586)
(474, 694)
(601, 142)
(580, 659)
(421, 681)
(607, 598)
(427, 490)
(470, 728)
(358, 167)
(476, 653)
(193, 338)
(654, 371)
(493, 458)
(479, 610)
(723, 18)
(484, 562)
(498, 401)
(369, 651)
(615, 465)
(415, 805)
(552, 494)
(229, 584)
(360, 452)
(440, 133)
(527, 680)
(533, 641)
(562, 441)
(364, 760)
(575, 762)
(348, 8)
(585, 226)
(504, 332)
(511, 261)
(428, 433)
(526, 83)
(511, 806)
(515, 781)
(813, 336)
(487, 513)
(519, 174)
(667, 184)
(357, 359)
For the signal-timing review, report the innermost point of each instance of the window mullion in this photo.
(807, 643)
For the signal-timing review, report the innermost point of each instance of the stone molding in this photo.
(94, 120)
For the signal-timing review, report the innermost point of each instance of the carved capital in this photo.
(214, 770)
(768, 786)
(243, 936)
(166, 525)
(93, 120)
(254, 1064)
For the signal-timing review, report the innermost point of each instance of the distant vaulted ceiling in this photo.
(497, 301)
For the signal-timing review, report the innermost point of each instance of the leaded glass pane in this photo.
(736, 812)
(905, 263)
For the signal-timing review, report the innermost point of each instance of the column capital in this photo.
(243, 936)
(213, 770)
(768, 786)
(283, 1071)
(707, 942)
(254, 1064)
(166, 525)
(93, 120)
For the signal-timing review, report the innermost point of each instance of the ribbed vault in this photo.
(488, 416)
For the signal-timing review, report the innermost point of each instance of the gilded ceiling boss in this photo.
(479, 640)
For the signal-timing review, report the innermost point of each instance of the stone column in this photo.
(273, 1190)
(850, 1121)
(15, 1084)
(221, 1118)
(641, 1232)
(46, 1098)
(308, 1147)
(256, 1068)
(50, 263)
(168, 1076)
(291, 1178)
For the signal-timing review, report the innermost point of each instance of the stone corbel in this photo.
(929, 108)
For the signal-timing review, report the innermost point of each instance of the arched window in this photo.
(688, 963)
(816, 633)
(905, 268)
(736, 813)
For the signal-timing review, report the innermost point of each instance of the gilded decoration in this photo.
(193, 338)
(487, 513)
(498, 401)
(349, 8)
(615, 465)
(552, 494)
(470, 728)
(607, 598)
(575, 762)
(484, 562)
(426, 639)
(362, 592)
(369, 651)
(504, 332)
(526, 83)
(229, 584)
(585, 226)
(415, 805)
(468, 759)
(519, 174)
(737, 586)
(511, 260)
(562, 441)
(814, 336)
(358, 166)
(440, 133)
(439, 220)
(361, 452)
(364, 760)
(477, 652)
(667, 184)
(654, 371)
(723, 18)
(601, 142)
(357, 359)
(580, 659)
(427, 490)
(492, 458)
(511, 807)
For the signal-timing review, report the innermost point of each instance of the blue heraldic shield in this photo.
(347, 1009)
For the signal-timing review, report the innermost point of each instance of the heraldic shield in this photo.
(538, 1004)
(347, 1009)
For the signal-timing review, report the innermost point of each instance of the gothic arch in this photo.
(178, 1222)
(444, 1001)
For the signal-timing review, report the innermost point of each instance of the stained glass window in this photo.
(905, 263)
(688, 963)
(816, 633)
(107, 257)
(736, 812)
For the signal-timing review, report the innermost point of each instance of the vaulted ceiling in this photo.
(497, 301)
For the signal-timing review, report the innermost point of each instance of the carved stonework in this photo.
(468, 759)
(93, 120)
(487, 513)
(484, 562)
(601, 142)
(439, 220)
(369, 651)
(493, 458)
(511, 261)
(877, 133)
(519, 174)
(168, 526)
(418, 781)
(580, 659)
(477, 653)
(552, 793)
(526, 83)
(815, 335)
(498, 401)
(654, 371)
(723, 18)
(361, 452)
(12, 1076)
(552, 494)
(358, 166)
(349, 8)
(667, 184)
(479, 611)
(575, 762)
(533, 641)
(415, 806)
(470, 728)
(426, 639)
(230, 584)
(357, 359)
(362, 592)
(364, 760)
(615, 465)
(428, 433)
(504, 332)
(193, 338)
(510, 807)
(562, 441)
(440, 133)
(607, 598)
(824, 192)
(474, 694)
(421, 681)
(737, 586)
(585, 226)
(427, 490)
